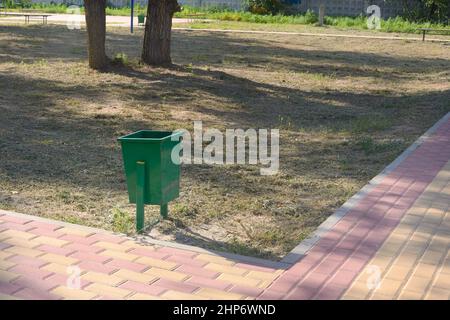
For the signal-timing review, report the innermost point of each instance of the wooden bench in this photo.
(425, 30)
(192, 16)
(27, 16)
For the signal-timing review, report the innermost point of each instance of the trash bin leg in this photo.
(140, 185)
(164, 210)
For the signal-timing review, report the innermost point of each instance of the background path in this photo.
(125, 21)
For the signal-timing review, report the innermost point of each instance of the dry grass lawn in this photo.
(345, 109)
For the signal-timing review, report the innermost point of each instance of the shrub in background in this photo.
(265, 6)
(17, 4)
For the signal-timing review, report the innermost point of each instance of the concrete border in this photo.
(292, 257)
(299, 251)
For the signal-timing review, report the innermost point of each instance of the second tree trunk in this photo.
(156, 50)
(96, 29)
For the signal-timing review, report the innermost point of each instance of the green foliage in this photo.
(25, 3)
(371, 146)
(121, 221)
(397, 24)
(426, 10)
(346, 22)
(120, 59)
(264, 6)
(125, 11)
(370, 124)
(10, 4)
(183, 210)
(311, 17)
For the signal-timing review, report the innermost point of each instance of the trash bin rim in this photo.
(170, 134)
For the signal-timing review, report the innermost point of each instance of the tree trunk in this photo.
(432, 12)
(158, 27)
(96, 30)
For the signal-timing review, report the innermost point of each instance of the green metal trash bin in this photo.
(153, 177)
(141, 19)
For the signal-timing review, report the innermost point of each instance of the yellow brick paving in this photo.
(414, 262)
(159, 279)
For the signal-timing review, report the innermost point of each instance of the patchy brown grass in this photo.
(345, 109)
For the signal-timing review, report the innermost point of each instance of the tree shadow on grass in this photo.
(276, 53)
(223, 49)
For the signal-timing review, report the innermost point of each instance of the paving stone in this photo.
(176, 285)
(56, 258)
(151, 262)
(50, 241)
(410, 295)
(197, 271)
(119, 255)
(203, 282)
(247, 291)
(215, 259)
(436, 293)
(135, 276)
(240, 280)
(29, 270)
(35, 294)
(398, 272)
(96, 266)
(5, 265)
(145, 288)
(110, 291)
(166, 274)
(73, 294)
(262, 275)
(225, 269)
(18, 242)
(6, 287)
(87, 256)
(16, 235)
(32, 282)
(55, 250)
(127, 265)
(111, 246)
(103, 278)
(8, 275)
(418, 284)
(75, 231)
(175, 295)
(83, 248)
(142, 296)
(217, 294)
(57, 268)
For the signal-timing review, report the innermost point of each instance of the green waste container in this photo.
(141, 19)
(153, 177)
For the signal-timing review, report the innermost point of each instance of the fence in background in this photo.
(332, 7)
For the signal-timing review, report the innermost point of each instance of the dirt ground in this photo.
(345, 109)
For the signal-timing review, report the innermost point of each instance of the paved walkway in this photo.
(392, 244)
(58, 18)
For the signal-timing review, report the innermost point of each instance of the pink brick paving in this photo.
(333, 263)
(35, 254)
